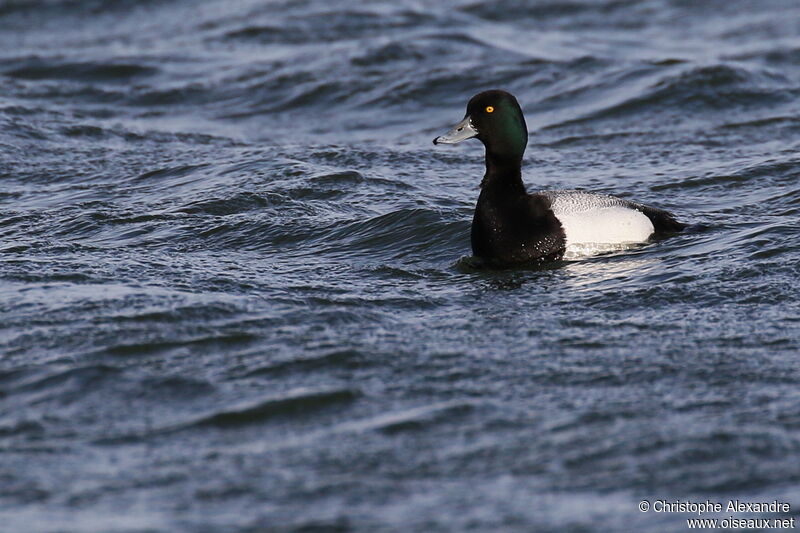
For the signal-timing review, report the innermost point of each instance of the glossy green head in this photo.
(495, 118)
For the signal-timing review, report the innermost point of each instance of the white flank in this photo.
(596, 223)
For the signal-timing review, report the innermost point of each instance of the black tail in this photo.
(663, 222)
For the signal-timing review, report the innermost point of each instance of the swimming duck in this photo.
(511, 226)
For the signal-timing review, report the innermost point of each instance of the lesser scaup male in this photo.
(511, 226)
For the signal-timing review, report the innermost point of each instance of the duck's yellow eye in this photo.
(489, 109)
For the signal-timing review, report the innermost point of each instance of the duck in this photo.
(511, 226)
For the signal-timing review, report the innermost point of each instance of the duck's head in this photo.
(494, 118)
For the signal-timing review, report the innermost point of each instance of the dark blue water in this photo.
(235, 286)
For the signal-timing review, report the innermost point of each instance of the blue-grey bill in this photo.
(461, 132)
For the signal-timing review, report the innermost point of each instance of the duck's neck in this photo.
(503, 174)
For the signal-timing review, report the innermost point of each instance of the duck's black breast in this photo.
(516, 228)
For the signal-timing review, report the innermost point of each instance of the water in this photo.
(236, 292)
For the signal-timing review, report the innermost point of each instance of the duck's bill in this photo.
(461, 132)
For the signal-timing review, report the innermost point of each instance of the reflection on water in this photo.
(609, 271)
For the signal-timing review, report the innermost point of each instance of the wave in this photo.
(327, 25)
(38, 68)
(694, 90)
(399, 233)
(340, 359)
(295, 403)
